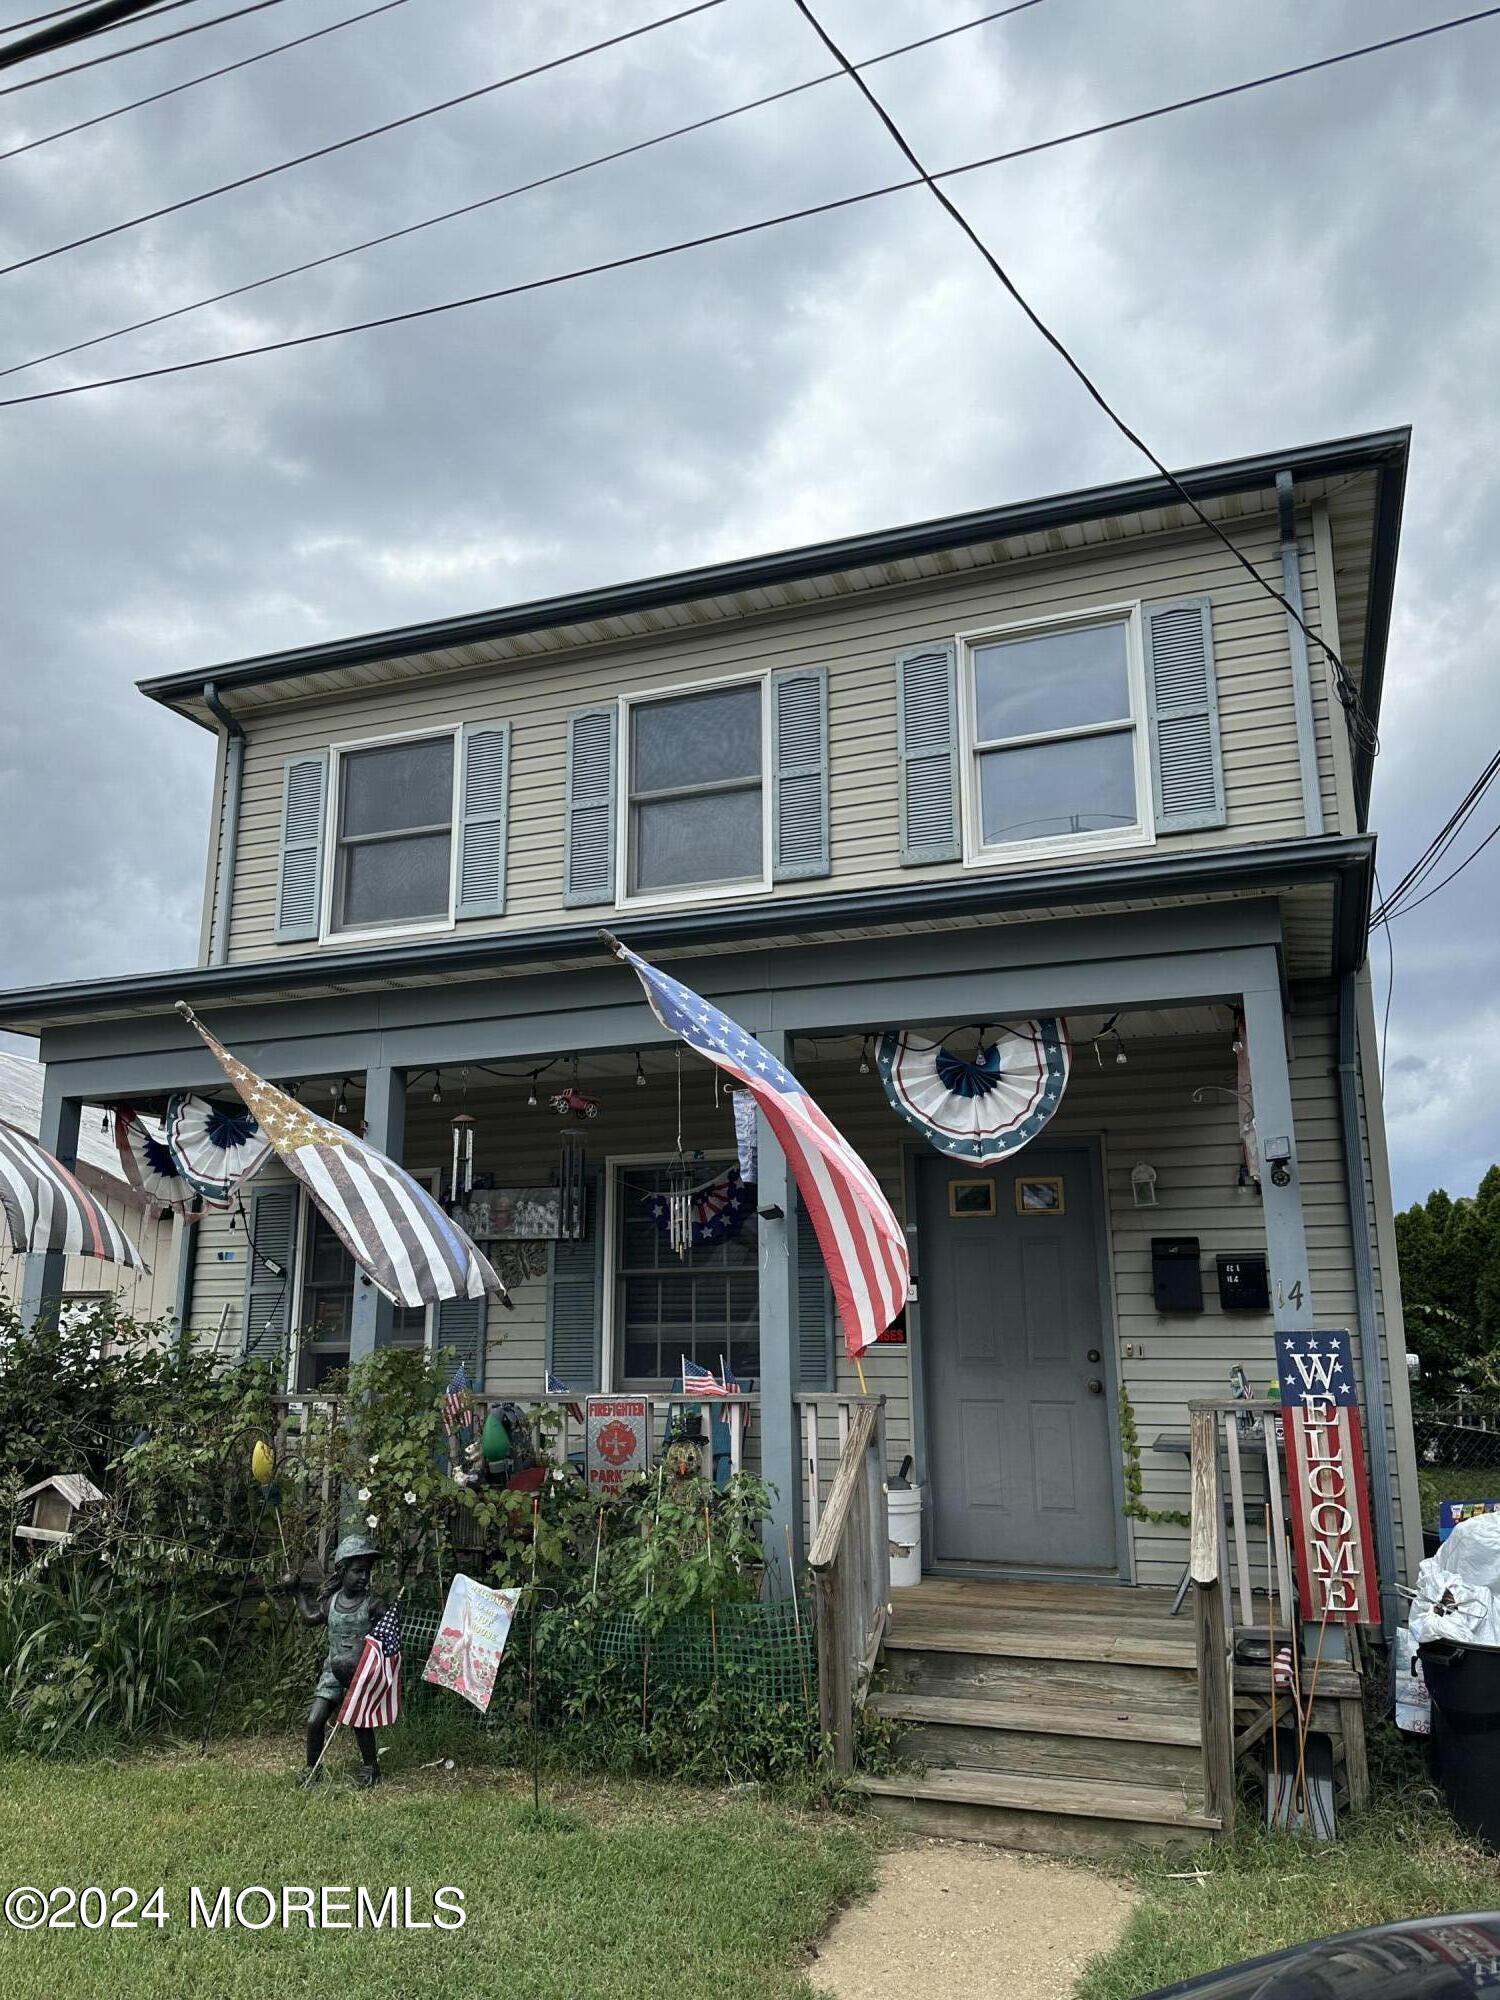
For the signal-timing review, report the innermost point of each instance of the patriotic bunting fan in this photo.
(214, 1146)
(391, 1226)
(985, 1106)
(147, 1161)
(716, 1211)
(48, 1209)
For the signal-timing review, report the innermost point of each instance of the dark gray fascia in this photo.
(1261, 869)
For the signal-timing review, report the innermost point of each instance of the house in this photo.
(1064, 760)
(86, 1283)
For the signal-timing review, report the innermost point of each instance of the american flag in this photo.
(863, 1245)
(373, 1698)
(456, 1404)
(702, 1381)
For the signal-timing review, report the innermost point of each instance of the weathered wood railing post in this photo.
(1215, 1701)
(849, 1561)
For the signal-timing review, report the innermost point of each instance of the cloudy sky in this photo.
(1306, 261)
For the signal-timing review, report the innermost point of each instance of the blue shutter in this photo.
(799, 775)
(462, 1325)
(815, 1315)
(927, 689)
(1187, 766)
(590, 815)
(483, 806)
(575, 1301)
(299, 880)
(266, 1316)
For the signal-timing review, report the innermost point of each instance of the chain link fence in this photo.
(1458, 1453)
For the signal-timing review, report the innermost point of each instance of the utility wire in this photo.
(98, 20)
(666, 250)
(207, 76)
(1347, 692)
(505, 194)
(1437, 848)
(53, 14)
(1439, 886)
(359, 138)
(193, 28)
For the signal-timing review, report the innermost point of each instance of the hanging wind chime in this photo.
(461, 1179)
(680, 1189)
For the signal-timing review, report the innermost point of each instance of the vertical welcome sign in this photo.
(1326, 1478)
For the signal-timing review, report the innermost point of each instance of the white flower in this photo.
(460, 1477)
(558, 1473)
(410, 1498)
(372, 1520)
(364, 1494)
(374, 1460)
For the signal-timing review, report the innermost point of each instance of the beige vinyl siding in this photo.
(139, 1295)
(857, 639)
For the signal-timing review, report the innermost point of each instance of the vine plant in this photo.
(1130, 1448)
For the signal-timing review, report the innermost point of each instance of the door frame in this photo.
(1090, 1148)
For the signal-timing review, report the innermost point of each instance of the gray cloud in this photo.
(1309, 260)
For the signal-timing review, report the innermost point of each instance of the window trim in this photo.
(657, 899)
(416, 926)
(977, 853)
(429, 1177)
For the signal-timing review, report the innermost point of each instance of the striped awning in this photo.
(391, 1226)
(47, 1209)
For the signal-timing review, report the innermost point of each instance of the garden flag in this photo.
(390, 1225)
(470, 1643)
(1325, 1468)
(47, 1209)
(372, 1699)
(863, 1245)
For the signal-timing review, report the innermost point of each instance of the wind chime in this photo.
(680, 1187)
(461, 1179)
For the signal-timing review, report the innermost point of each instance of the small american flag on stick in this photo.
(702, 1381)
(456, 1403)
(373, 1698)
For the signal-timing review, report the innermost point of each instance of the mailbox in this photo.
(1176, 1274)
(1244, 1281)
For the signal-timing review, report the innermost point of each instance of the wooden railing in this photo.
(850, 1561)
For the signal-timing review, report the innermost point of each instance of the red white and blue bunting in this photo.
(984, 1106)
(214, 1146)
(718, 1209)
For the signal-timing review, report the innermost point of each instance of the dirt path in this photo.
(952, 1917)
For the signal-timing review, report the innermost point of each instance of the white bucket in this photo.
(904, 1524)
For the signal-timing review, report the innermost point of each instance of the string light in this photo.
(437, 1086)
(531, 1094)
(640, 1074)
(864, 1056)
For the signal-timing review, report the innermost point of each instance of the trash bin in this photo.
(1464, 1683)
(904, 1525)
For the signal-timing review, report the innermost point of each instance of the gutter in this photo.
(229, 823)
(1371, 1350)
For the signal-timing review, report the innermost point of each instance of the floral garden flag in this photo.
(470, 1644)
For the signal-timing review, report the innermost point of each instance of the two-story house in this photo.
(1064, 759)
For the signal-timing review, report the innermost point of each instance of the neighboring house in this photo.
(140, 1295)
(1063, 758)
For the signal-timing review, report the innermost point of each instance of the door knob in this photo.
(1096, 1387)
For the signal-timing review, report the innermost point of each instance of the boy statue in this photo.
(350, 1609)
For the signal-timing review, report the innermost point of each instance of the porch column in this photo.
(1281, 1182)
(42, 1286)
(780, 1448)
(373, 1317)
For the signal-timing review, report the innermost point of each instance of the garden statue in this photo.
(350, 1609)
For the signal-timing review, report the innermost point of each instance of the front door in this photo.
(1020, 1453)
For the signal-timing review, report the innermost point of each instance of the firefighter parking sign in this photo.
(617, 1440)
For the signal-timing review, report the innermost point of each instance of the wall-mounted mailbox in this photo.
(1176, 1274)
(1244, 1281)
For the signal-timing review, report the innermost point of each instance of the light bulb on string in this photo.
(640, 1074)
(864, 1056)
(437, 1086)
(531, 1093)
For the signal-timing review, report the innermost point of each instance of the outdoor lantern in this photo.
(1143, 1185)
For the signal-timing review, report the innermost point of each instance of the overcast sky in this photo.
(1306, 261)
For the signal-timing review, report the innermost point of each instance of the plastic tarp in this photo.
(1458, 1589)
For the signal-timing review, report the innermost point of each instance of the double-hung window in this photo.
(1056, 753)
(705, 1306)
(393, 835)
(695, 779)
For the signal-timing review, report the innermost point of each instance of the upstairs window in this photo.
(393, 858)
(695, 766)
(1054, 728)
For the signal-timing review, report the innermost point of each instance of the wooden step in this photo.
(1080, 1741)
(1056, 1684)
(1083, 1639)
(1132, 1725)
(1040, 1814)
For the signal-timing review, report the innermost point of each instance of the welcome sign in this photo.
(470, 1644)
(1326, 1478)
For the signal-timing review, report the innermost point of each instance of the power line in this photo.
(640, 257)
(97, 20)
(207, 76)
(1437, 848)
(1439, 886)
(52, 14)
(359, 138)
(1347, 692)
(506, 194)
(134, 48)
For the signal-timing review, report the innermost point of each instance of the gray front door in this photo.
(1020, 1455)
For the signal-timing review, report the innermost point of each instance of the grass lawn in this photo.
(622, 1889)
(1265, 1891)
(1437, 1483)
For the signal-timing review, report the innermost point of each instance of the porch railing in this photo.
(850, 1561)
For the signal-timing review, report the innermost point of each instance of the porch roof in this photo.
(1340, 865)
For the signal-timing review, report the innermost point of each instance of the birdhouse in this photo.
(50, 1510)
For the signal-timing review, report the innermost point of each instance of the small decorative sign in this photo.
(617, 1440)
(1326, 1477)
(470, 1644)
(515, 1215)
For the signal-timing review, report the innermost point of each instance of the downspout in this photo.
(229, 827)
(1296, 638)
(1372, 1356)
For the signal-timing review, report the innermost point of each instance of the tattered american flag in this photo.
(863, 1245)
(372, 1699)
(390, 1225)
(48, 1209)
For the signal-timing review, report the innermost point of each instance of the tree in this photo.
(1450, 1283)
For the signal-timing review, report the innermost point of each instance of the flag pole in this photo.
(859, 1369)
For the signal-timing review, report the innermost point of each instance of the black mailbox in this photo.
(1176, 1274)
(1244, 1282)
